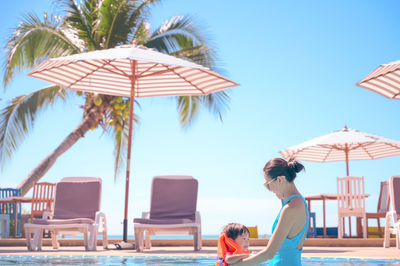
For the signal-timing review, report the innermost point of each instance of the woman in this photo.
(291, 225)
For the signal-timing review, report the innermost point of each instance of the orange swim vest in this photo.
(227, 246)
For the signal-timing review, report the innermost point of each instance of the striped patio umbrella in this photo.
(131, 71)
(385, 80)
(344, 145)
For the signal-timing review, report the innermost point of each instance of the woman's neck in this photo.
(291, 190)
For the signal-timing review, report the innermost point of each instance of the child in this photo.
(233, 244)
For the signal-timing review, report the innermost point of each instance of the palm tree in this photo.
(86, 26)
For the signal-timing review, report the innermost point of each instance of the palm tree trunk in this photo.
(91, 119)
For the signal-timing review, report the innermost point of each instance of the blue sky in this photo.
(297, 64)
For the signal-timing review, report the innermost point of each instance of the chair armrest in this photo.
(145, 215)
(388, 215)
(198, 218)
(99, 215)
(375, 214)
(47, 215)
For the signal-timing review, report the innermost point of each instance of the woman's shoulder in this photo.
(295, 204)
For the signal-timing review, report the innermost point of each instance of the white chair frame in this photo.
(89, 231)
(351, 202)
(144, 231)
(392, 216)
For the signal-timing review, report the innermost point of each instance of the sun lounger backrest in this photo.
(395, 192)
(173, 197)
(9, 208)
(77, 198)
(384, 199)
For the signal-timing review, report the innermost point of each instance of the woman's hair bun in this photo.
(295, 165)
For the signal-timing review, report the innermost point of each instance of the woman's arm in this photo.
(285, 223)
(230, 259)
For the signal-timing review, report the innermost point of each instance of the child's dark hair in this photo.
(280, 167)
(233, 230)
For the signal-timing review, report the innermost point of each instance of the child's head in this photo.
(239, 233)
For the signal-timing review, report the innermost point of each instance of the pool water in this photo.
(161, 261)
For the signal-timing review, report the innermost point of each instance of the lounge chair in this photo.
(351, 202)
(11, 209)
(42, 201)
(172, 211)
(383, 207)
(394, 213)
(76, 210)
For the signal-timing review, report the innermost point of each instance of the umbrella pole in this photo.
(347, 159)
(128, 160)
(128, 163)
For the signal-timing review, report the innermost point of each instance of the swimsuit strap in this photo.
(305, 204)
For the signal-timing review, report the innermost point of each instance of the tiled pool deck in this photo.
(316, 248)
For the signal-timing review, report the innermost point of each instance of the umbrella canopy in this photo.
(344, 145)
(385, 80)
(131, 71)
(112, 72)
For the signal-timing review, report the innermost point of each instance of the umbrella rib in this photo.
(375, 81)
(327, 154)
(159, 72)
(380, 75)
(395, 95)
(58, 66)
(107, 62)
(188, 81)
(87, 74)
(148, 69)
(366, 151)
(217, 76)
(392, 145)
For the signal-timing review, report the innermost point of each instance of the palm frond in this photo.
(32, 42)
(119, 130)
(82, 17)
(140, 12)
(182, 37)
(17, 119)
(189, 106)
(184, 34)
(114, 25)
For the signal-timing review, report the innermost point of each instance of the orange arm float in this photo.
(227, 246)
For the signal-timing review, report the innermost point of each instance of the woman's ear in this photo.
(280, 178)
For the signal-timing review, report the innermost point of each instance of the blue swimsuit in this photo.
(288, 254)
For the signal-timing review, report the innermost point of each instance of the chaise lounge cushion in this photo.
(70, 205)
(167, 195)
(62, 221)
(163, 221)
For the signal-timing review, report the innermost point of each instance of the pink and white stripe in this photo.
(332, 147)
(385, 80)
(109, 72)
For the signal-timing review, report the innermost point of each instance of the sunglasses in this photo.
(266, 184)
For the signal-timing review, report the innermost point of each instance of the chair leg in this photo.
(343, 227)
(139, 239)
(349, 226)
(37, 239)
(28, 239)
(85, 240)
(197, 239)
(147, 241)
(93, 237)
(379, 227)
(365, 227)
(54, 240)
(386, 240)
(340, 232)
(105, 239)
